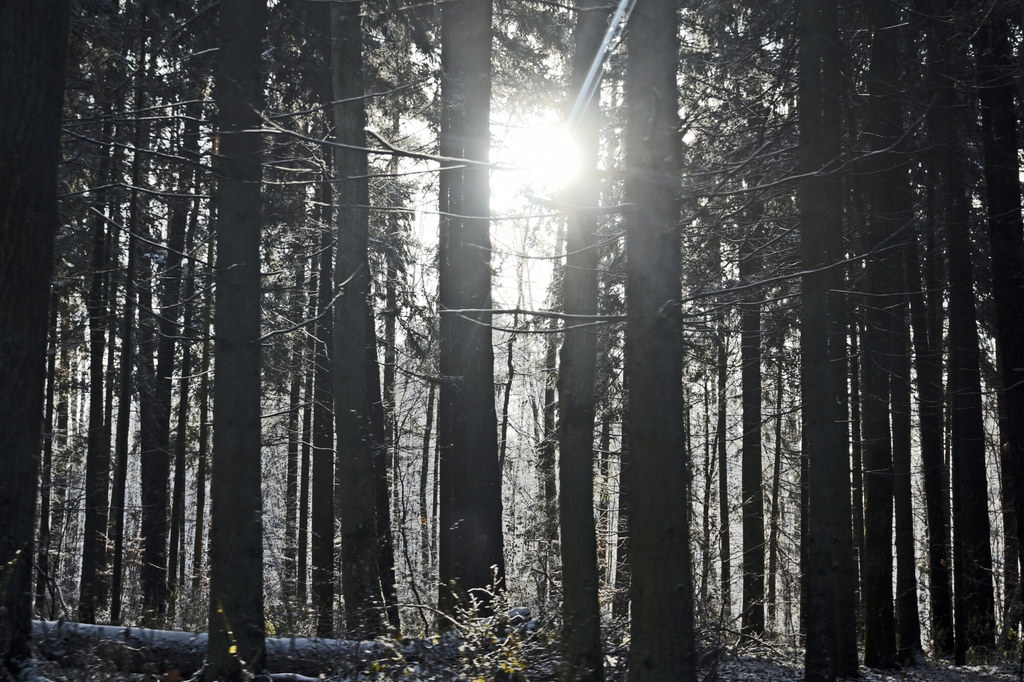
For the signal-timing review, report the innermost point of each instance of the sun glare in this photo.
(533, 162)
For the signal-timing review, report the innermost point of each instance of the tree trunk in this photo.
(305, 469)
(883, 277)
(662, 630)
(773, 521)
(360, 578)
(829, 606)
(425, 519)
(996, 67)
(33, 47)
(204, 428)
(926, 322)
(752, 470)
(97, 458)
(129, 333)
(186, 182)
(471, 547)
(621, 598)
(972, 559)
(43, 565)
(908, 623)
(291, 496)
(581, 614)
(236, 619)
(322, 471)
(722, 455)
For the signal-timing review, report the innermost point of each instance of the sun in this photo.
(533, 162)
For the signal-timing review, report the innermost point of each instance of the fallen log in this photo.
(131, 649)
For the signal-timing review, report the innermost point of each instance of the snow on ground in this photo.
(739, 668)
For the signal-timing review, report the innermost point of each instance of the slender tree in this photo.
(581, 615)
(926, 319)
(322, 464)
(44, 566)
(97, 459)
(752, 484)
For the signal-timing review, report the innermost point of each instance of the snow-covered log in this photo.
(142, 649)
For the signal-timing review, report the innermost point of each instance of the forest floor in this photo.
(503, 651)
(740, 668)
(726, 665)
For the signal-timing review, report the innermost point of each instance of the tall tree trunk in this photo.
(385, 460)
(156, 461)
(709, 478)
(322, 471)
(621, 598)
(43, 568)
(309, 369)
(972, 558)
(856, 450)
(291, 496)
(129, 333)
(662, 631)
(186, 182)
(33, 47)
(722, 455)
(546, 462)
(1011, 566)
(997, 68)
(773, 520)
(883, 277)
(204, 427)
(388, 447)
(908, 623)
(752, 470)
(471, 547)
(827, 549)
(353, 326)
(926, 322)
(425, 519)
(97, 459)
(236, 619)
(581, 614)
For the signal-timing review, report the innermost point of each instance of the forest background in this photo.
(732, 355)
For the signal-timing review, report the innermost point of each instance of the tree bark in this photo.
(996, 71)
(722, 456)
(829, 606)
(236, 619)
(662, 630)
(883, 278)
(43, 565)
(926, 323)
(972, 557)
(353, 325)
(33, 47)
(752, 484)
(581, 614)
(471, 548)
(97, 458)
(322, 469)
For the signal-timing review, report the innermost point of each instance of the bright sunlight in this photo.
(532, 162)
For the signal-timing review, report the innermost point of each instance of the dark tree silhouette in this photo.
(33, 47)
(236, 618)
